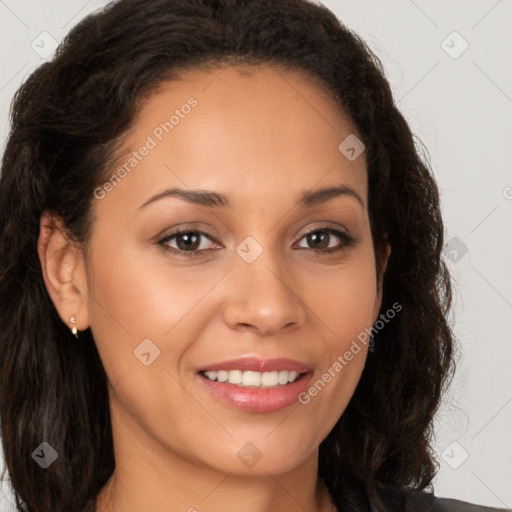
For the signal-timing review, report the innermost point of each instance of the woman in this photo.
(221, 279)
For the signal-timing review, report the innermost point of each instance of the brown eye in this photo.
(320, 240)
(186, 242)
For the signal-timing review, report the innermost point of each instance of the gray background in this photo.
(458, 101)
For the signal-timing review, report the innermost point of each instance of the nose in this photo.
(262, 299)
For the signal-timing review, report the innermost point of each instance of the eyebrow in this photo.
(212, 199)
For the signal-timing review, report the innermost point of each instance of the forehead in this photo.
(241, 130)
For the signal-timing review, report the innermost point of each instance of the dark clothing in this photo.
(425, 502)
(399, 500)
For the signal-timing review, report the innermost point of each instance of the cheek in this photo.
(345, 297)
(140, 296)
(346, 312)
(141, 316)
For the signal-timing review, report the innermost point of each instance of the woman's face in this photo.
(256, 290)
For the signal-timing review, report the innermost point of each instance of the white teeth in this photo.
(269, 379)
(222, 376)
(283, 377)
(235, 377)
(253, 379)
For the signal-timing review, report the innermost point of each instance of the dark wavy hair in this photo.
(69, 117)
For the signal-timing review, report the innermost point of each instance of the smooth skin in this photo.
(261, 136)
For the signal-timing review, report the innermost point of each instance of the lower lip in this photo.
(257, 399)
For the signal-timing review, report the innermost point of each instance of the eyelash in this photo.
(347, 241)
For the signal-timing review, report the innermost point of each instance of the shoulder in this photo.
(418, 501)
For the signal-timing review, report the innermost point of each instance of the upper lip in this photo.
(255, 364)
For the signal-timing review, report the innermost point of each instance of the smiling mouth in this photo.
(250, 379)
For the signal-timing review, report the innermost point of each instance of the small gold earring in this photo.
(74, 330)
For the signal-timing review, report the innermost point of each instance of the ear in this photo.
(383, 262)
(386, 251)
(63, 268)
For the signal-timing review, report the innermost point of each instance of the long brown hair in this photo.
(66, 120)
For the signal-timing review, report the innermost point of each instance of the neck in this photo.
(229, 494)
(149, 476)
